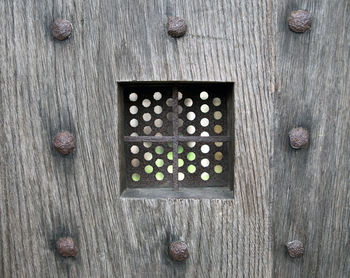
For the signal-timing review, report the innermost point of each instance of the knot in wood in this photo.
(299, 21)
(178, 251)
(298, 138)
(64, 142)
(61, 29)
(66, 247)
(295, 248)
(176, 27)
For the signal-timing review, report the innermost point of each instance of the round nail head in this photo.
(299, 21)
(61, 29)
(298, 138)
(66, 247)
(64, 142)
(178, 251)
(295, 248)
(176, 27)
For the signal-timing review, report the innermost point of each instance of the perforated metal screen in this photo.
(176, 136)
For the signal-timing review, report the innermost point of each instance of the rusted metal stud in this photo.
(66, 247)
(61, 29)
(299, 21)
(295, 248)
(64, 142)
(298, 138)
(176, 26)
(178, 251)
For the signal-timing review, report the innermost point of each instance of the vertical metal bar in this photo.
(176, 139)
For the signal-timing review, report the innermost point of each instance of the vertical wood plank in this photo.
(311, 187)
(47, 86)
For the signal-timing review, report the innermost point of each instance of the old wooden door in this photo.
(280, 80)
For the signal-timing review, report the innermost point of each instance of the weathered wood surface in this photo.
(47, 86)
(310, 191)
(281, 80)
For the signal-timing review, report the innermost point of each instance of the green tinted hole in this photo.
(205, 176)
(170, 169)
(191, 169)
(181, 162)
(218, 169)
(148, 169)
(170, 155)
(159, 150)
(191, 156)
(170, 144)
(180, 149)
(159, 176)
(159, 162)
(135, 177)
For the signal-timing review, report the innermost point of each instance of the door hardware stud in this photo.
(299, 21)
(64, 142)
(66, 247)
(178, 251)
(295, 248)
(61, 29)
(298, 138)
(176, 26)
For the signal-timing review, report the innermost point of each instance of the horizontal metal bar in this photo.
(180, 138)
(148, 138)
(204, 138)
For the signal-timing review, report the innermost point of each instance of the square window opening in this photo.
(176, 139)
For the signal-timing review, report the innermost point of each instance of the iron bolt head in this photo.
(61, 29)
(295, 248)
(176, 26)
(299, 21)
(298, 138)
(64, 142)
(66, 247)
(178, 251)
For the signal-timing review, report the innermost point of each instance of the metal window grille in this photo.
(177, 136)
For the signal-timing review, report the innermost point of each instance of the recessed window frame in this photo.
(182, 192)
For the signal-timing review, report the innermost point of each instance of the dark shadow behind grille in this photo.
(191, 173)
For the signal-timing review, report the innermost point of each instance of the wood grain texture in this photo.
(310, 192)
(48, 86)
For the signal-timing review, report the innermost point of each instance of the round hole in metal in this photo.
(158, 109)
(218, 156)
(217, 115)
(157, 96)
(205, 162)
(188, 102)
(134, 123)
(204, 95)
(134, 149)
(204, 122)
(148, 156)
(205, 108)
(146, 103)
(217, 101)
(158, 123)
(147, 117)
(135, 177)
(191, 116)
(205, 149)
(191, 129)
(205, 176)
(133, 109)
(147, 130)
(135, 162)
(133, 97)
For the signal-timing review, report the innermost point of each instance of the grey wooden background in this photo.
(281, 80)
(310, 189)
